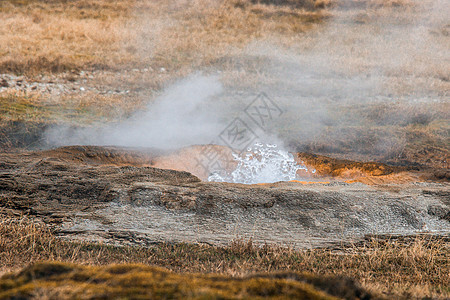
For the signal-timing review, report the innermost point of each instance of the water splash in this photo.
(261, 164)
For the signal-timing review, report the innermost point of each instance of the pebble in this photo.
(57, 84)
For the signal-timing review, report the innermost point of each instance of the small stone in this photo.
(82, 89)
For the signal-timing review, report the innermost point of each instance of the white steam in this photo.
(183, 115)
(344, 87)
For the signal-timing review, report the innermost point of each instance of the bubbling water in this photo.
(261, 164)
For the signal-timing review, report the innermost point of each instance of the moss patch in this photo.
(139, 281)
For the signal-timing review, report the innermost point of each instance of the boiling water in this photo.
(261, 164)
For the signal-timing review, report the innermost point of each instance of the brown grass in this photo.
(416, 267)
(56, 36)
(86, 108)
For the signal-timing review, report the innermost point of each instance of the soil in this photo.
(123, 196)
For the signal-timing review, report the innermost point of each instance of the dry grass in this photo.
(56, 36)
(86, 108)
(416, 267)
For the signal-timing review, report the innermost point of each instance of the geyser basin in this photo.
(204, 161)
(122, 196)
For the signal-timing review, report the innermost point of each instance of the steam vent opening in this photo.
(257, 164)
(262, 163)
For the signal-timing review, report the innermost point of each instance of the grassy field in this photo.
(58, 36)
(408, 267)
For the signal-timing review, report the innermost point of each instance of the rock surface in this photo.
(116, 195)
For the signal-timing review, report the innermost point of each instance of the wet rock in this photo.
(439, 211)
(407, 215)
(4, 83)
